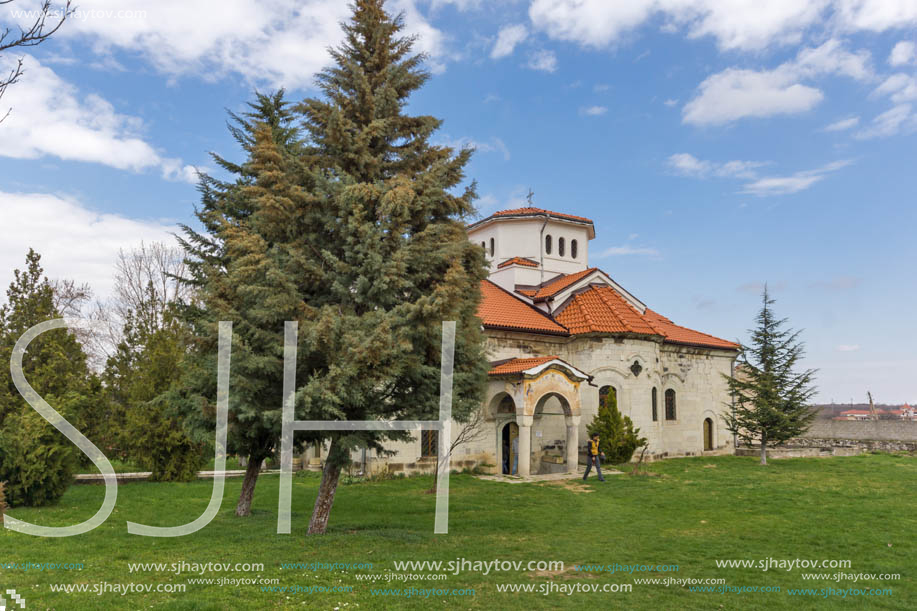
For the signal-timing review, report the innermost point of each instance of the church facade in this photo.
(561, 337)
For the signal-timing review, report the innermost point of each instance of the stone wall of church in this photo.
(695, 374)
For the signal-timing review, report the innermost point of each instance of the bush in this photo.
(159, 443)
(36, 461)
(2, 501)
(618, 437)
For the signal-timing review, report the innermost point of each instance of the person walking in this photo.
(594, 456)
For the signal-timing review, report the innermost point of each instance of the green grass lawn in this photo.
(690, 513)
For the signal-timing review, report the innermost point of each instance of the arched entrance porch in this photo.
(543, 393)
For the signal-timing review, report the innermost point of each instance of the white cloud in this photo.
(893, 121)
(273, 42)
(671, 102)
(843, 124)
(687, 164)
(848, 347)
(799, 181)
(738, 93)
(74, 242)
(507, 39)
(899, 88)
(494, 145)
(51, 118)
(747, 25)
(875, 15)
(619, 251)
(594, 111)
(543, 60)
(905, 52)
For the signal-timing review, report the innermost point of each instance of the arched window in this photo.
(547, 244)
(604, 393)
(655, 409)
(484, 246)
(491, 247)
(506, 406)
(573, 249)
(560, 247)
(670, 404)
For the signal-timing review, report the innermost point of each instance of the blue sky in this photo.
(717, 146)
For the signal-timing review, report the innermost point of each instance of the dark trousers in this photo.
(598, 467)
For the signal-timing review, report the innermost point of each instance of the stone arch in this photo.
(546, 398)
(498, 403)
(554, 437)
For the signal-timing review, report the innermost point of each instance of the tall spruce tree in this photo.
(35, 459)
(353, 232)
(233, 272)
(388, 254)
(771, 399)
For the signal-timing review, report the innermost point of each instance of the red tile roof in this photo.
(602, 309)
(529, 211)
(598, 309)
(500, 309)
(675, 334)
(519, 365)
(557, 285)
(519, 261)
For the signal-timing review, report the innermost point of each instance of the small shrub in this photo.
(618, 437)
(36, 461)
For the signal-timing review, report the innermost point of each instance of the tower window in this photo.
(573, 248)
(547, 244)
(491, 247)
(560, 247)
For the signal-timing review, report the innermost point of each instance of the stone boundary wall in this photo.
(874, 430)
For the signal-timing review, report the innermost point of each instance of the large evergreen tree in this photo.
(35, 459)
(356, 234)
(389, 257)
(236, 276)
(771, 399)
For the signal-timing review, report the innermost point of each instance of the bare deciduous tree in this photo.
(471, 431)
(37, 32)
(147, 281)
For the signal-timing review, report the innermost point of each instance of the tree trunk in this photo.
(764, 449)
(244, 508)
(331, 473)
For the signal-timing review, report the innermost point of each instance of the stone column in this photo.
(499, 452)
(525, 444)
(572, 443)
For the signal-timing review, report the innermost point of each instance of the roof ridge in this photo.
(528, 305)
(631, 311)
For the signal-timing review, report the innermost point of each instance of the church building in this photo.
(562, 336)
